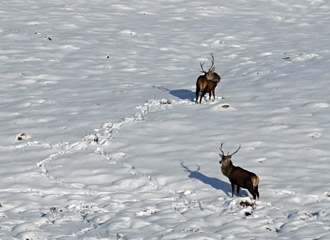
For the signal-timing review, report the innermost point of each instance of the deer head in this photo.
(226, 159)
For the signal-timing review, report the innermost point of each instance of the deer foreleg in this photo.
(232, 189)
(213, 94)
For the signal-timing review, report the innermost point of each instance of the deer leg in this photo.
(209, 95)
(232, 189)
(213, 94)
(197, 93)
(256, 191)
(251, 190)
(201, 97)
(238, 188)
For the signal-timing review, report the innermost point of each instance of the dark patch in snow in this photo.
(248, 213)
(21, 136)
(247, 204)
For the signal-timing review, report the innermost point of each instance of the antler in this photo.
(212, 68)
(223, 154)
(236, 150)
(202, 64)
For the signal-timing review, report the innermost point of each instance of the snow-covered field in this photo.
(101, 138)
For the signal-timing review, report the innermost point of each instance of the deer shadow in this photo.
(183, 94)
(213, 182)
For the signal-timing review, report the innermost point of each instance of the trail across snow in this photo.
(108, 196)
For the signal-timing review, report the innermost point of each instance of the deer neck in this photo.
(226, 170)
(209, 76)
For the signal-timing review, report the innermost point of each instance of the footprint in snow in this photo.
(118, 156)
(314, 135)
(147, 212)
(327, 194)
(261, 160)
(22, 136)
(224, 107)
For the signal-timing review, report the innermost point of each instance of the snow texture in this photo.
(101, 138)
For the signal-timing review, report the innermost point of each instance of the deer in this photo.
(238, 177)
(207, 82)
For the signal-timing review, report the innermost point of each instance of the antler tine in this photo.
(212, 68)
(202, 64)
(236, 150)
(223, 154)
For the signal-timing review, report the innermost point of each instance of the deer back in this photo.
(213, 76)
(242, 177)
(204, 84)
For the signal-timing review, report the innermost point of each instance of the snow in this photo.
(101, 138)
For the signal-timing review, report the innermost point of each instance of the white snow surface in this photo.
(101, 138)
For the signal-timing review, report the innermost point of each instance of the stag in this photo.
(238, 177)
(207, 82)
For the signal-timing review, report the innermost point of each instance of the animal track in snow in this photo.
(225, 107)
(177, 204)
(314, 135)
(22, 136)
(148, 212)
(261, 160)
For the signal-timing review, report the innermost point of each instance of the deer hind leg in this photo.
(252, 191)
(256, 191)
(197, 93)
(202, 96)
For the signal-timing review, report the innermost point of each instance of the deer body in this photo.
(239, 177)
(207, 83)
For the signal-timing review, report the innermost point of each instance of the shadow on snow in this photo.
(213, 182)
(179, 93)
(183, 94)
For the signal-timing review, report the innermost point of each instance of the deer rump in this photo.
(205, 86)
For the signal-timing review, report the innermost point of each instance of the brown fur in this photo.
(255, 181)
(204, 85)
(207, 83)
(239, 177)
